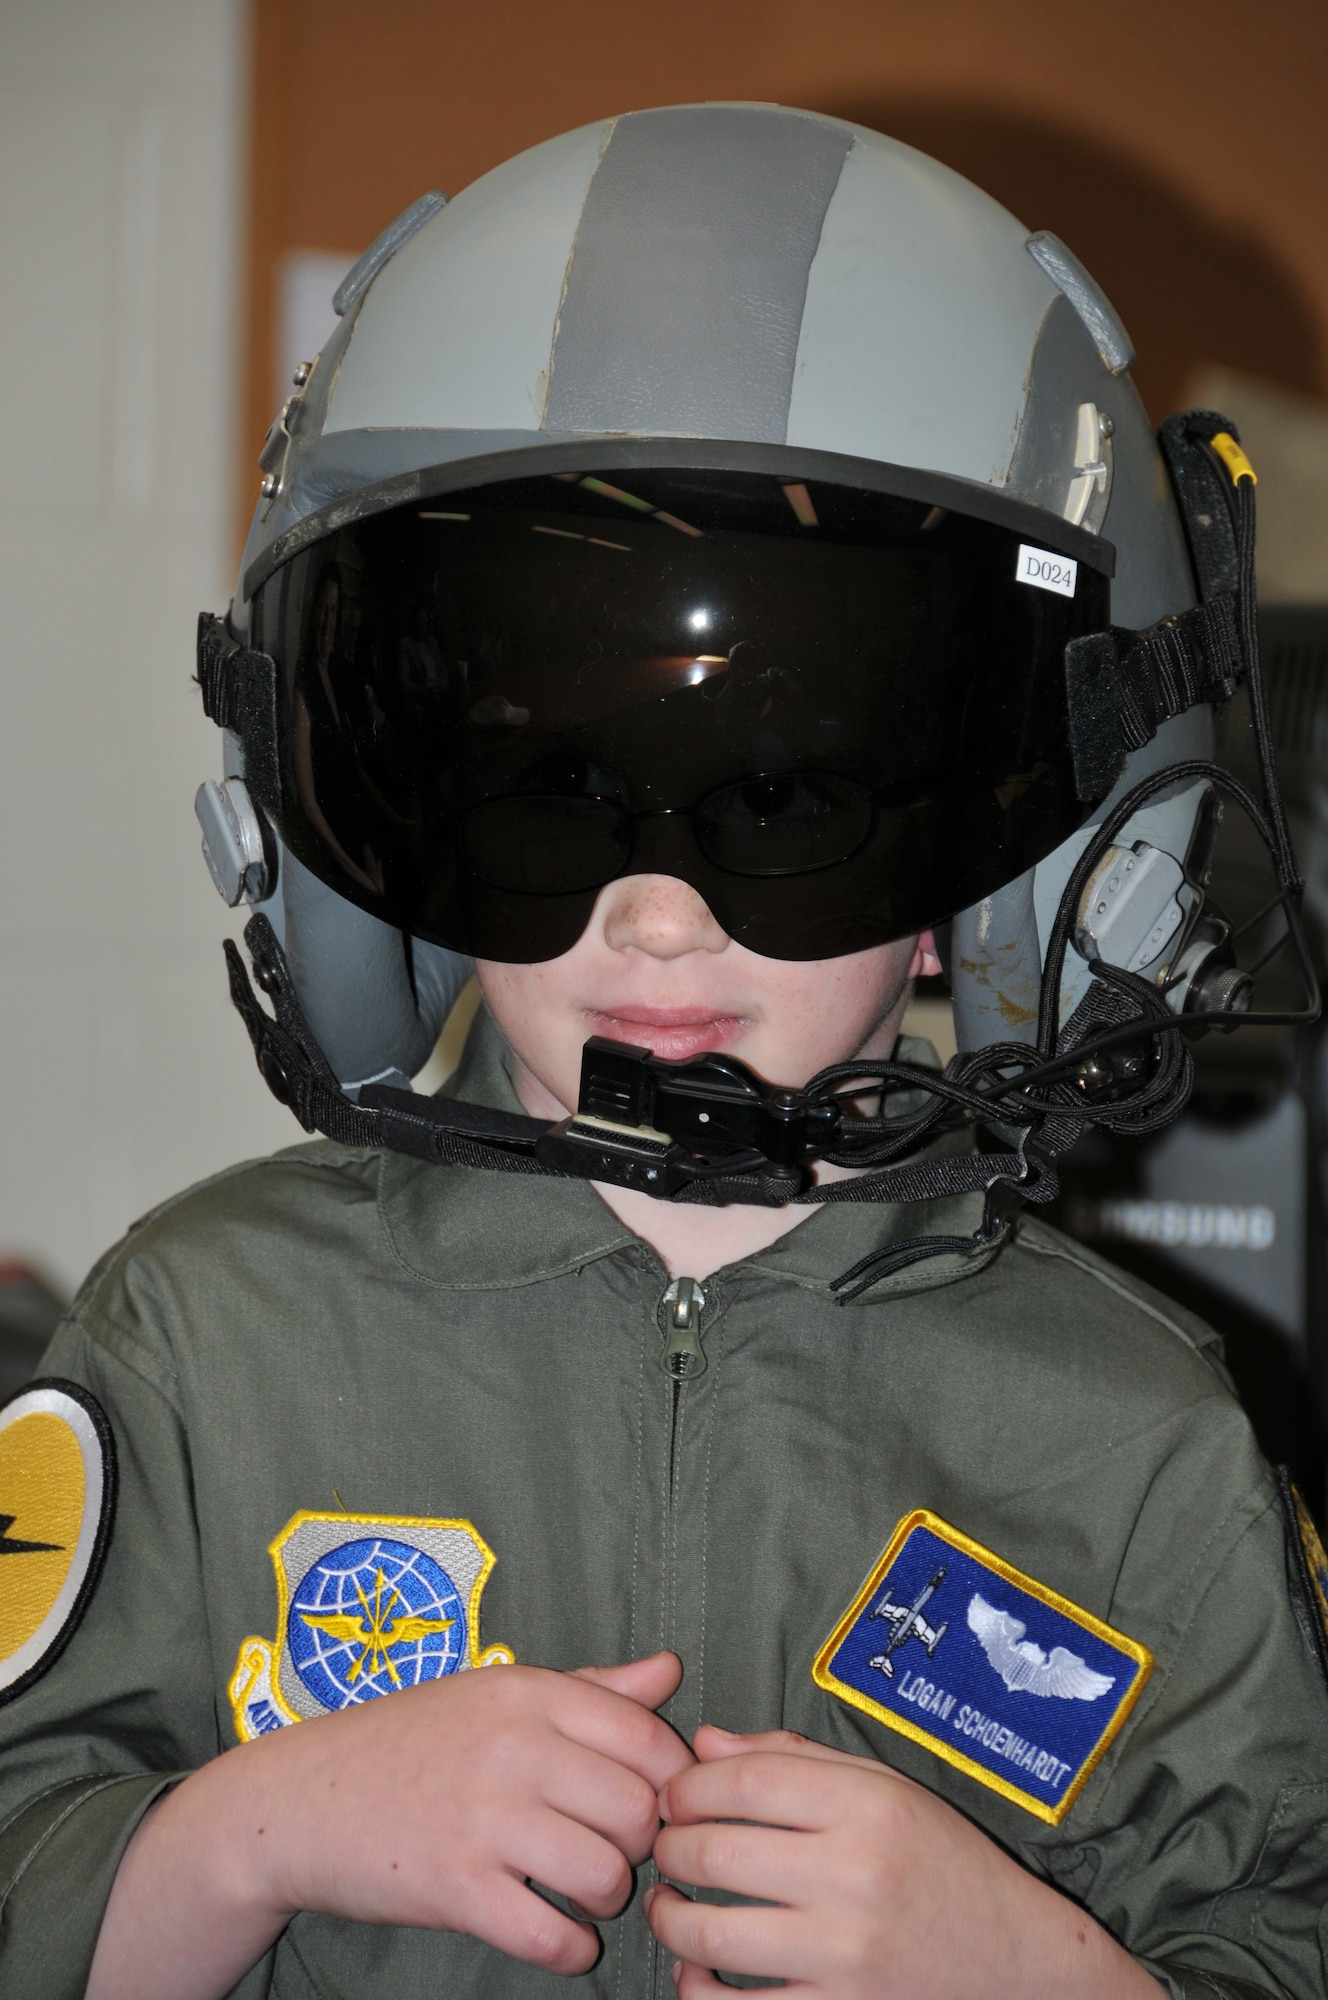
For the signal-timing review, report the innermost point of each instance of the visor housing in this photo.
(840, 714)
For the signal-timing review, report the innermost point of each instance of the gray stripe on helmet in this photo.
(685, 291)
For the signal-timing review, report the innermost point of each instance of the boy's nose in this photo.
(657, 914)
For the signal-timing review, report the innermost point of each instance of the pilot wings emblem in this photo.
(1023, 1666)
(373, 1633)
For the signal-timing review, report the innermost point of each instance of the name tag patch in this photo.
(986, 1667)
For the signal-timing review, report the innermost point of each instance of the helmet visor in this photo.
(839, 714)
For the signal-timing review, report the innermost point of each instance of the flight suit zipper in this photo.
(683, 1355)
(681, 1359)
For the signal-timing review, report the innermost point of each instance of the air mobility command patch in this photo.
(1003, 1678)
(366, 1604)
(57, 1498)
(1307, 1567)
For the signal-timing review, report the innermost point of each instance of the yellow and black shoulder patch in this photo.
(1307, 1570)
(57, 1499)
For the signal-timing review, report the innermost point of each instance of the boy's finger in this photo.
(514, 1919)
(650, 1681)
(753, 1941)
(620, 1728)
(770, 1787)
(601, 1794)
(765, 1862)
(565, 1856)
(711, 1743)
(695, 1982)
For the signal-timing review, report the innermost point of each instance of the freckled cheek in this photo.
(521, 997)
(832, 1014)
(536, 1010)
(811, 1018)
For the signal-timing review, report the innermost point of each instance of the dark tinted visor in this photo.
(840, 715)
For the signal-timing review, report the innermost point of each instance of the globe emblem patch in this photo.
(366, 1606)
(371, 1616)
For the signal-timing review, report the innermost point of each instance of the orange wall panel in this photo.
(1179, 145)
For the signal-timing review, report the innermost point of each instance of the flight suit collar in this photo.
(472, 1229)
(467, 1229)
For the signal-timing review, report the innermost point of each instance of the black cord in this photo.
(892, 1257)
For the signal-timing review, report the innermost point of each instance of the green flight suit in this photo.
(332, 1328)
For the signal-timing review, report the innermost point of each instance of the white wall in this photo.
(123, 1072)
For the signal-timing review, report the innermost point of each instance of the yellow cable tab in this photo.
(1233, 458)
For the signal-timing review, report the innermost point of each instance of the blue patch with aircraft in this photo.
(999, 1676)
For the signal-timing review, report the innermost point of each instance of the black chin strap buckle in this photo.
(705, 1128)
(628, 1156)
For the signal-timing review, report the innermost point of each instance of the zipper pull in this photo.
(682, 1355)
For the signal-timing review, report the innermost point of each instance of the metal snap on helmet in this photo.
(724, 491)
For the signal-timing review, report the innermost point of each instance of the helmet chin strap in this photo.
(711, 1131)
(708, 1131)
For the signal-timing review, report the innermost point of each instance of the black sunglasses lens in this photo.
(784, 823)
(546, 845)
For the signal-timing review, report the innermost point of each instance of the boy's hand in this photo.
(880, 1888)
(433, 1806)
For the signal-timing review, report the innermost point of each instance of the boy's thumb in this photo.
(650, 1681)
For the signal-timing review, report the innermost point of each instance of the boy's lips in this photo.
(675, 1032)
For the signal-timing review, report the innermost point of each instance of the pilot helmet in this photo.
(722, 491)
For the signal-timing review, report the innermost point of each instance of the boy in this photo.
(1068, 1736)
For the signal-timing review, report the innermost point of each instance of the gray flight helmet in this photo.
(742, 273)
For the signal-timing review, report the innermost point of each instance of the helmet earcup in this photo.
(375, 999)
